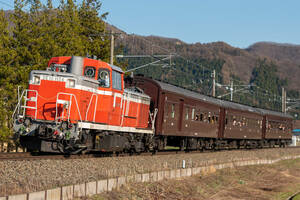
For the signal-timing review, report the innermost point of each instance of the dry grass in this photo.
(277, 181)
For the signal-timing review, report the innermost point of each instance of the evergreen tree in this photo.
(264, 76)
(68, 30)
(95, 40)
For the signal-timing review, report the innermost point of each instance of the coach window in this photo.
(213, 119)
(166, 110)
(103, 78)
(209, 117)
(90, 72)
(186, 113)
(173, 111)
(234, 122)
(205, 117)
(193, 113)
(116, 80)
(201, 117)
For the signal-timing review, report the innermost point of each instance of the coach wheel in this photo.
(182, 144)
(200, 145)
(160, 144)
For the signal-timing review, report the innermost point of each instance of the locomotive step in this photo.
(30, 107)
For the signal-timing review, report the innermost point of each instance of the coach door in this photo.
(222, 119)
(264, 127)
(181, 105)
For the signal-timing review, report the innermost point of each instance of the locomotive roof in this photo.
(219, 102)
(116, 68)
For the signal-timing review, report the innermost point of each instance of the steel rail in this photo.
(43, 156)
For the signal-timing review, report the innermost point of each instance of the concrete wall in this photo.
(97, 187)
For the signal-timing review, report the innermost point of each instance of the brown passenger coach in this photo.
(191, 120)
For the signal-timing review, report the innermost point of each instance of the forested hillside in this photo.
(192, 67)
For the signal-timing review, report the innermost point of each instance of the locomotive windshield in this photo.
(103, 78)
(90, 72)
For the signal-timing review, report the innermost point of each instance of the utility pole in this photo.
(283, 100)
(214, 83)
(231, 90)
(112, 45)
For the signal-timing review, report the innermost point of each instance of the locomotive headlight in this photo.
(71, 83)
(36, 80)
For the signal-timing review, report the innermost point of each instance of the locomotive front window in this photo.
(116, 80)
(103, 78)
(90, 72)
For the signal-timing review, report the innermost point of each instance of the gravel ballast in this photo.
(28, 176)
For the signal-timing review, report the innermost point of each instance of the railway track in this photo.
(293, 196)
(38, 156)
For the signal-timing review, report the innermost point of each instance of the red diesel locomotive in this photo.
(81, 104)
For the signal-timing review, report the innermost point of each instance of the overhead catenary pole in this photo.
(231, 90)
(214, 83)
(112, 48)
(283, 100)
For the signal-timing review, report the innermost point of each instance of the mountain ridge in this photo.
(239, 62)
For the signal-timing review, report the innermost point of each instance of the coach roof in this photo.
(215, 101)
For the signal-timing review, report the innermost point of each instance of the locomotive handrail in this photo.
(18, 105)
(69, 110)
(17, 109)
(153, 117)
(89, 107)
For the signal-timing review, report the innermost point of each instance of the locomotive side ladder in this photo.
(24, 106)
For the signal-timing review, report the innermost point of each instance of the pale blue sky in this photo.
(237, 22)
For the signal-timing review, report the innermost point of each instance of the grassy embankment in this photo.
(277, 181)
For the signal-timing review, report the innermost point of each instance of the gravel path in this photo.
(27, 176)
